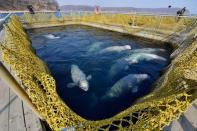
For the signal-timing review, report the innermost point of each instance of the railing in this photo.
(3, 19)
(134, 19)
(166, 22)
(163, 27)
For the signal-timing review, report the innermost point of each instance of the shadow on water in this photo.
(120, 74)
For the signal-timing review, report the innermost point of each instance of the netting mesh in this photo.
(155, 22)
(33, 74)
(170, 29)
(152, 112)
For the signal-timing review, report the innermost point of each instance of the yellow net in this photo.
(152, 27)
(155, 22)
(32, 73)
(152, 112)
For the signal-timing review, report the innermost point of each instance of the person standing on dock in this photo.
(30, 8)
(97, 10)
(58, 13)
(180, 13)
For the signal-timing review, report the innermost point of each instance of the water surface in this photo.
(81, 45)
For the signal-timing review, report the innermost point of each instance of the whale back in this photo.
(129, 83)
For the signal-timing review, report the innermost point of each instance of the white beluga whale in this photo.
(129, 83)
(51, 36)
(115, 49)
(94, 47)
(79, 78)
(123, 64)
(139, 57)
(119, 66)
(148, 50)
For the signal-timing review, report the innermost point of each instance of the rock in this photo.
(22, 4)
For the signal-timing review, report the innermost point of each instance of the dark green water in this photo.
(88, 48)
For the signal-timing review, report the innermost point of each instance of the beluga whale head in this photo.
(79, 78)
(84, 85)
(127, 47)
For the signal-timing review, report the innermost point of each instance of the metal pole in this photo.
(11, 82)
(2, 21)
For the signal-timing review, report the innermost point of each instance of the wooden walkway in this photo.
(14, 114)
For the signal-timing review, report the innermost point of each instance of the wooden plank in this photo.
(191, 115)
(16, 114)
(174, 126)
(33, 123)
(4, 106)
(195, 104)
(189, 119)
